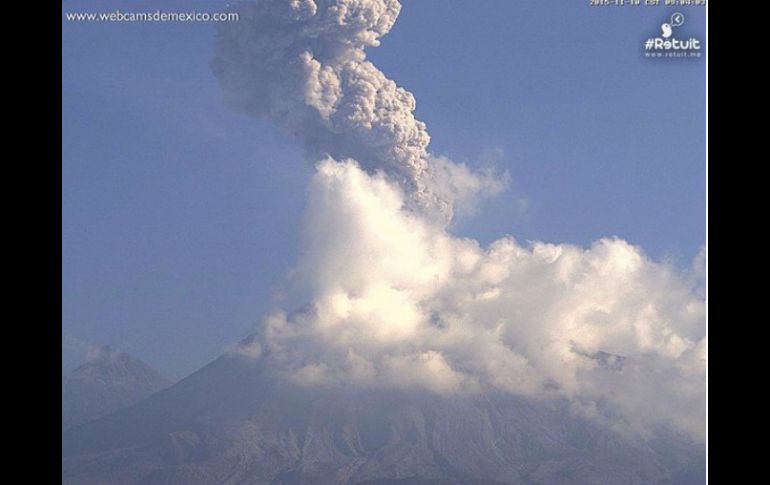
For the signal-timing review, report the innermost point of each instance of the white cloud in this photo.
(463, 186)
(397, 301)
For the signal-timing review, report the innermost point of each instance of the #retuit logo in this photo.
(667, 45)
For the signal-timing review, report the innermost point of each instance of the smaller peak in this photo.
(102, 353)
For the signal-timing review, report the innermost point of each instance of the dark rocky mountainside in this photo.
(110, 380)
(231, 423)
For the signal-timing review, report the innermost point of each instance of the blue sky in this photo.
(180, 216)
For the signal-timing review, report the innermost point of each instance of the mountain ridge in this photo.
(233, 421)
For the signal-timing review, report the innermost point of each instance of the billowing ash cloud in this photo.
(395, 300)
(301, 63)
(400, 302)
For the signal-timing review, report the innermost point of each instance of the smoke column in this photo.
(302, 64)
(396, 301)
